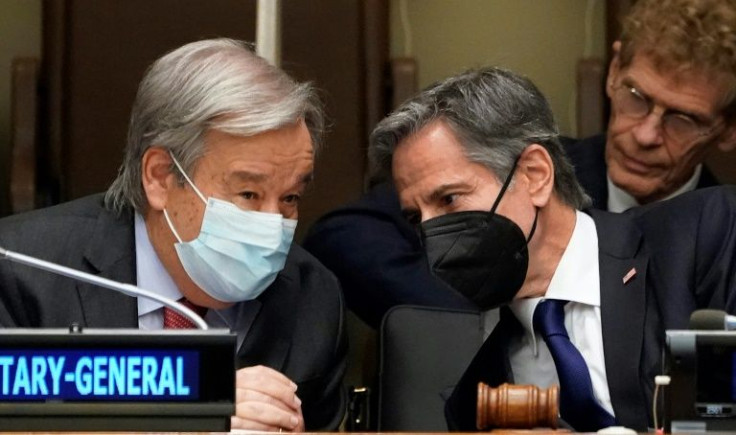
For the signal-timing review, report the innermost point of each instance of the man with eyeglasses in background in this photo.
(672, 85)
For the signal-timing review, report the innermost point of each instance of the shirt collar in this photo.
(576, 278)
(620, 200)
(151, 273)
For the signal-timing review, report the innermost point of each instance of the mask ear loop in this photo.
(186, 177)
(534, 225)
(505, 186)
(171, 227)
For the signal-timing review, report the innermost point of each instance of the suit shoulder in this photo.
(381, 203)
(53, 230)
(705, 218)
(303, 266)
(716, 201)
(88, 207)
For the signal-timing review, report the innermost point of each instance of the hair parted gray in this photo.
(215, 84)
(495, 115)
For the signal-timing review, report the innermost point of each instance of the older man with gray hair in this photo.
(220, 150)
(586, 296)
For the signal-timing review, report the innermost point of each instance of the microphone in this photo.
(127, 289)
(712, 320)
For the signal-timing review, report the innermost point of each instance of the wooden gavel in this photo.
(517, 406)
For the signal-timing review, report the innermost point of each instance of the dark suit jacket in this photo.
(377, 256)
(684, 252)
(589, 159)
(298, 327)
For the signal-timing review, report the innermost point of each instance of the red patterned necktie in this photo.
(174, 320)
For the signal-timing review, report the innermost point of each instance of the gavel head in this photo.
(517, 406)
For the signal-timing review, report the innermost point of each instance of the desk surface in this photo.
(497, 431)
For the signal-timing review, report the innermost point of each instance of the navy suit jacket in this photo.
(588, 156)
(298, 326)
(378, 258)
(684, 252)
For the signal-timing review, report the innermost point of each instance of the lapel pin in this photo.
(629, 275)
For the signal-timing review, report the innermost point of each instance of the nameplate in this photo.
(178, 380)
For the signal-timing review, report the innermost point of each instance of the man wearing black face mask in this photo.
(478, 166)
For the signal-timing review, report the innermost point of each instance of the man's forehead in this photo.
(285, 156)
(434, 139)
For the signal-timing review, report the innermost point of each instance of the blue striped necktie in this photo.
(578, 405)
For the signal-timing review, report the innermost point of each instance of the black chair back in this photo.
(423, 353)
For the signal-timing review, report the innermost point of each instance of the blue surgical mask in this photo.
(238, 253)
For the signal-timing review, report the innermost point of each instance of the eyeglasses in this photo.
(678, 127)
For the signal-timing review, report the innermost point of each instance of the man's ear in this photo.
(728, 138)
(613, 68)
(157, 177)
(536, 166)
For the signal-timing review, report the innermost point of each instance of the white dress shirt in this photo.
(576, 280)
(152, 276)
(620, 200)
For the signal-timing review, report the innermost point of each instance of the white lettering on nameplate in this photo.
(95, 375)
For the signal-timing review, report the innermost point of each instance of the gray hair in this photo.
(215, 84)
(494, 113)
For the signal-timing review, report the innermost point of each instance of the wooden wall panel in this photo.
(108, 45)
(322, 43)
(24, 114)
